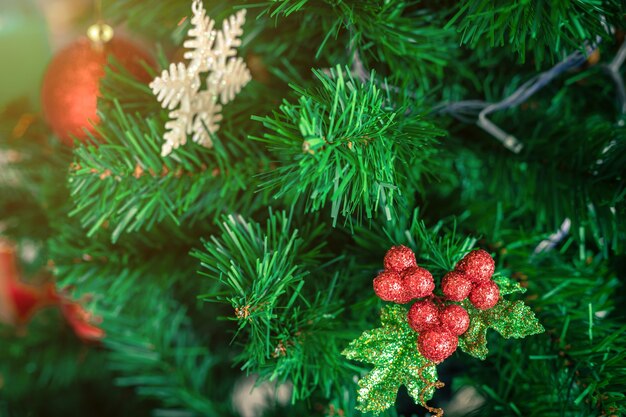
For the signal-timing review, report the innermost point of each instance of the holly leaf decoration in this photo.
(507, 285)
(392, 349)
(509, 318)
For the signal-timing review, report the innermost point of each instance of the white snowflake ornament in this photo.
(194, 112)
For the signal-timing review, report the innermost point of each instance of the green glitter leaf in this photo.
(393, 351)
(515, 319)
(507, 285)
(509, 318)
(474, 340)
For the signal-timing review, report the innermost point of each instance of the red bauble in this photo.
(399, 258)
(456, 286)
(18, 301)
(423, 315)
(71, 84)
(81, 321)
(478, 265)
(485, 295)
(437, 344)
(389, 286)
(418, 281)
(455, 318)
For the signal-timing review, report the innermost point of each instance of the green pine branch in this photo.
(142, 19)
(578, 366)
(125, 185)
(156, 352)
(585, 187)
(342, 145)
(399, 35)
(438, 247)
(542, 30)
(129, 287)
(286, 306)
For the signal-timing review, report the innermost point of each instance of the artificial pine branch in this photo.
(103, 178)
(378, 31)
(344, 146)
(286, 327)
(542, 30)
(293, 289)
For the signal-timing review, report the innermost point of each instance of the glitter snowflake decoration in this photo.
(192, 111)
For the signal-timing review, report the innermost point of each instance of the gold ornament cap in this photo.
(100, 33)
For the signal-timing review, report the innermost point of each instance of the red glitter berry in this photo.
(455, 318)
(418, 281)
(423, 315)
(478, 265)
(399, 258)
(389, 286)
(485, 295)
(456, 286)
(437, 344)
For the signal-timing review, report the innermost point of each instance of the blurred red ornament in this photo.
(389, 286)
(18, 301)
(455, 318)
(437, 344)
(418, 281)
(478, 265)
(423, 315)
(456, 286)
(485, 295)
(82, 322)
(399, 258)
(71, 84)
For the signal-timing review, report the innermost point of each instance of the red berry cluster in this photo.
(439, 325)
(472, 276)
(402, 280)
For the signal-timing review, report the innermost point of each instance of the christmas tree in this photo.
(314, 208)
